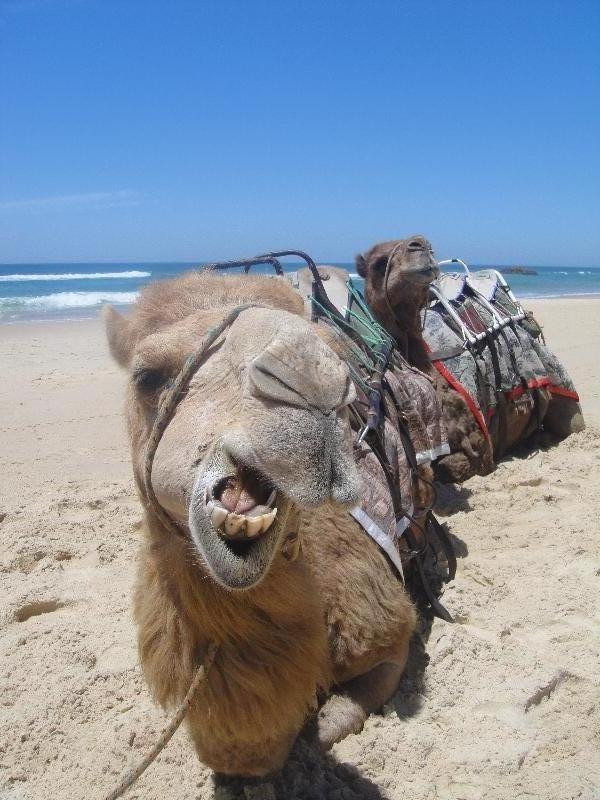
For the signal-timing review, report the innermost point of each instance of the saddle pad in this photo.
(414, 394)
(451, 285)
(484, 281)
(335, 280)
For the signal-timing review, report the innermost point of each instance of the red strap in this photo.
(469, 400)
(560, 390)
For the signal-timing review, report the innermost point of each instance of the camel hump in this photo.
(335, 283)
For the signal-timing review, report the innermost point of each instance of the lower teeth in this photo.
(237, 526)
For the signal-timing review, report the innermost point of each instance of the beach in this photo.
(506, 706)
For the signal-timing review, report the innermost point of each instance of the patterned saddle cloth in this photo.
(483, 342)
(410, 435)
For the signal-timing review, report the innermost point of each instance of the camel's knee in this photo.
(563, 417)
(339, 717)
(346, 712)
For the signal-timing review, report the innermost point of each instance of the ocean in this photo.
(33, 292)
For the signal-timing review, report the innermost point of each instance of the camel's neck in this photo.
(280, 621)
(403, 322)
(215, 612)
(272, 653)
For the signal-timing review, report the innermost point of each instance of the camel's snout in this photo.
(280, 374)
(298, 391)
(413, 260)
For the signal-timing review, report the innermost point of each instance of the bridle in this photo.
(175, 390)
(170, 399)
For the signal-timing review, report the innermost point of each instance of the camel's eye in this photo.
(147, 380)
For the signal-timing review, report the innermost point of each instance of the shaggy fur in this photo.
(336, 616)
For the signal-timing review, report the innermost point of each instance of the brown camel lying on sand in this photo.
(258, 448)
(396, 297)
(397, 277)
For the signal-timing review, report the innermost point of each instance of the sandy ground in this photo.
(505, 708)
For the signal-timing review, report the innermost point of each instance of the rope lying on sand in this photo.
(131, 776)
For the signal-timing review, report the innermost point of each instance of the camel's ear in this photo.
(361, 266)
(118, 333)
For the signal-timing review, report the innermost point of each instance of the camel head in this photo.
(262, 430)
(397, 266)
(397, 275)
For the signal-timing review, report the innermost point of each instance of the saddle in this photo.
(491, 350)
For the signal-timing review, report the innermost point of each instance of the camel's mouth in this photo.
(423, 270)
(413, 259)
(241, 506)
(236, 520)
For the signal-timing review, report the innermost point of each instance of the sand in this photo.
(506, 706)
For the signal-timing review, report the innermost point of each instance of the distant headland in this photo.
(519, 271)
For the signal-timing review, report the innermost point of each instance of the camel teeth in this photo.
(272, 497)
(237, 526)
(254, 526)
(234, 524)
(218, 516)
(267, 520)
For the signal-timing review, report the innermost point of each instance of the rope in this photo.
(131, 776)
(168, 404)
(166, 409)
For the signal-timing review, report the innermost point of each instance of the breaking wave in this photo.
(72, 276)
(68, 300)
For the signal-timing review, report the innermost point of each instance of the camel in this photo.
(397, 277)
(396, 298)
(257, 453)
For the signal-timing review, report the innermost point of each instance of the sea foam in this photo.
(69, 300)
(72, 276)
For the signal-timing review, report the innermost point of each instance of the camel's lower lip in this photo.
(422, 273)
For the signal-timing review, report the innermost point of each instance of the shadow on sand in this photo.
(308, 775)
(451, 498)
(538, 442)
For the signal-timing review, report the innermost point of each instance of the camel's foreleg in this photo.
(346, 711)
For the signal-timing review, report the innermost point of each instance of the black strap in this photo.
(501, 439)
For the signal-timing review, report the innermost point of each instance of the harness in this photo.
(426, 559)
(481, 309)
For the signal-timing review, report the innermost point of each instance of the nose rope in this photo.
(169, 402)
(131, 776)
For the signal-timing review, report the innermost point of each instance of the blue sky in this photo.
(200, 130)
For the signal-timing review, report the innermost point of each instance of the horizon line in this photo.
(333, 261)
